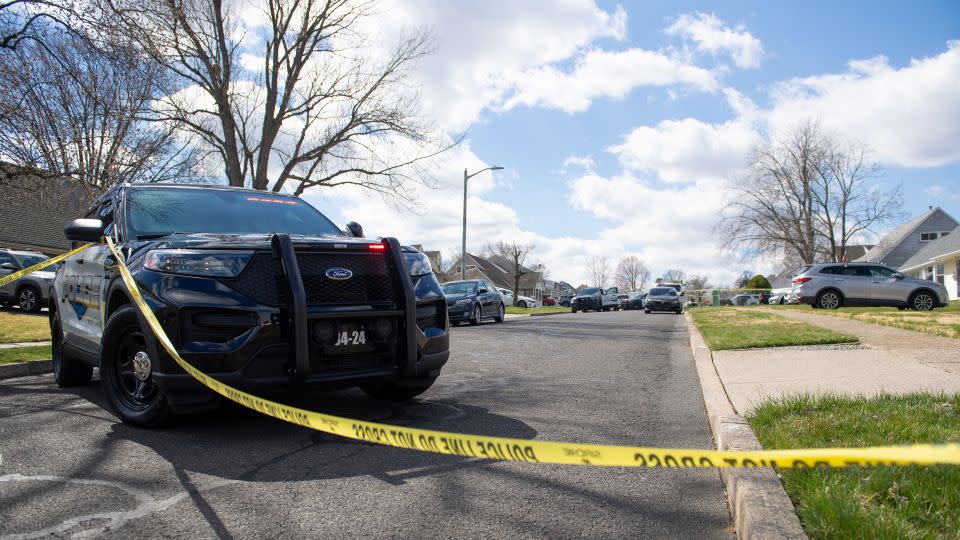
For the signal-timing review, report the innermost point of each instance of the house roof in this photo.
(36, 206)
(895, 237)
(945, 245)
(857, 251)
(494, 273)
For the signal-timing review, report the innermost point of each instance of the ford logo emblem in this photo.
(339, 274)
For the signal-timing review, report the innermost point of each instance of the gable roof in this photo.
(493, 272)
(945, 245)
(894, 238)
(36, 206)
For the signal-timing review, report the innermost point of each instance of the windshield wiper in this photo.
(154, 236)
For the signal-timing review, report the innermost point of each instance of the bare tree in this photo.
(317, 109)
(673, 274)
(517, 255)
(83, 112)
(695, 288)
(30, 19)
(598, 267)
(631, 274)
(805, 197)
(847, 205)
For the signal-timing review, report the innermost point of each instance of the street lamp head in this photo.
(496, 168)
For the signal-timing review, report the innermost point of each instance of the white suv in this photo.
(831, 285)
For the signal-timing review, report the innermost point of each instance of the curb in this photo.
(25, 369)
(549, 313)
(758, 504)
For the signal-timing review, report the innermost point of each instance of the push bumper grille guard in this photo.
(283, 249)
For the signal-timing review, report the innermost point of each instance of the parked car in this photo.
(522, 301)
(262, 292)
(31, 292)
(832, 285)
(663, 299)
(621, 298)
(564, 300)
(472, 301)
(633, 300)
(587, 299)
(745, 300)
(549, 301)
(781, 296)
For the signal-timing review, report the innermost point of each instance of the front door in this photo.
(855, 283)
(885, 288)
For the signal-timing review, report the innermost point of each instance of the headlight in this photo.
(198, 263)
(417, 263)
(463, 301)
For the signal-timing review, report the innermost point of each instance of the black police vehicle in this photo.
(259, 290)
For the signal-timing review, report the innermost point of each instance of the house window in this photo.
(927, 236)
(928, 273)
(938, 276)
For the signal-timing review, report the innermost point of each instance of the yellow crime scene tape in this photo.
(20, 273)
(524, 450)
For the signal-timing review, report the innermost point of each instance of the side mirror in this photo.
(355, 229)
(899, 275)
(8, 266)
(84, 230)
(483, 290)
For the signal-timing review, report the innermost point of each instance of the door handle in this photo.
(79, 261)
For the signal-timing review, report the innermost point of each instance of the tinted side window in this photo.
(7, 258)
(882, 272)
(831, 270)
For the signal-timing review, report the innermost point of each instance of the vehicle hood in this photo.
(247, 241)
(455, 297)
(43, 274)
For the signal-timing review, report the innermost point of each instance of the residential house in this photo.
(499, 272)
(36, 206)
(905, 241)
(938, 260)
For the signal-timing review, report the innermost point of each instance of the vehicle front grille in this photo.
(430, 316)
(215, 326)
(370, 284)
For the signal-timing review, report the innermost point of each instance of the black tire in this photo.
(647, 311)
(477, 316)
(501, 314)
(679, 311)
(401, 390)
(522, 303)
(573, 310)
(829, 299)
(136, 401)
(29, 299)
(923, 301)
(67, 371)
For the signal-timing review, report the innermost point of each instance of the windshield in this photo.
(161, 211)
(29, 260)
(663, 291)
(460, 287)
(634, 296)
(589, 292)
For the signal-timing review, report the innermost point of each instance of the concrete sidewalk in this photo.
(894, 361)
(934, 351)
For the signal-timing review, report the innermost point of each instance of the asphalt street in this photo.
(67, 466)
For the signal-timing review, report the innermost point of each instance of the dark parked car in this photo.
(663, 299)
(565, 300)
(260, 291)
(472, 301)
(588, 299)
(633, 300)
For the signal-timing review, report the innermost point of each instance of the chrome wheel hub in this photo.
(141, 366)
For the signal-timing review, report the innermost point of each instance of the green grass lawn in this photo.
(545, 309)
(24, 354)
(741, 328)
(883, 502)
(939, 322)
(16, 327)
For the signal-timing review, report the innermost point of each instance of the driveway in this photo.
(619, 378)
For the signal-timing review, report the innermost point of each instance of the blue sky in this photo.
(665, 99)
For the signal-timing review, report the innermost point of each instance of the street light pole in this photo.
(463, 241)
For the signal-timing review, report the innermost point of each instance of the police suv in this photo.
(259, 290)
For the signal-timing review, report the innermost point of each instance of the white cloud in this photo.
(710, 34)
(600, 73)
(584, 162)
(908, 116)
(689, 149)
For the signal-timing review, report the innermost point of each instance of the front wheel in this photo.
(501, 314)
(477, 316)
(28, 298)
(126, 372)
(922, 301)
(401, 390)
(522, 304)
(829, 300)
(647, 311)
